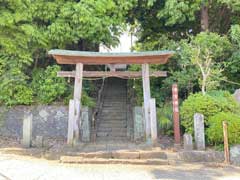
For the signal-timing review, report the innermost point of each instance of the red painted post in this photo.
(176, 114)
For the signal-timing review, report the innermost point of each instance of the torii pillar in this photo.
(146, 98)
(75, 108)
(149, 107)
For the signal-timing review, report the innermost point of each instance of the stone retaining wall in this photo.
(48, 121)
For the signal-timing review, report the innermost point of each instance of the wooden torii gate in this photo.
(79, 58)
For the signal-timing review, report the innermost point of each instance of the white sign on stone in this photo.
(27, 129)
(199, 134)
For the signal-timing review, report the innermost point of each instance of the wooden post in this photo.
(78, 82)
(226, 147)
(77, 100)
(75, 107)
(146, 97)
(153, 118)
(176, 114)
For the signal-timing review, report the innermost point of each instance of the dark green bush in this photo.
(215, 130)
(208, 105)
(47, 86)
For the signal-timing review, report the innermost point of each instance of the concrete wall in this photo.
(48, 121)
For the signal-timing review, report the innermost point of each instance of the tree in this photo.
(205, 51)
(233, 69)
(28, 29)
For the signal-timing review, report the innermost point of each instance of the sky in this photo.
(124, 45)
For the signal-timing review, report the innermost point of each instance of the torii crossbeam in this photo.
(96, 58)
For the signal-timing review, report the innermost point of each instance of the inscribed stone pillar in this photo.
(86, 124)
(153, 118)
(187, 142)
(199, 134)
(139, 125)
(27, 129)
(70, 135)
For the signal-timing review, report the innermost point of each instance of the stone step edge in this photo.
(125, 155)
(80, 160)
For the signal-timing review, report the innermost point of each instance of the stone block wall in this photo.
(48, 121)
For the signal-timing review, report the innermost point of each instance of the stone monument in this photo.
(27, 129)
(187, 142)
(199, 134)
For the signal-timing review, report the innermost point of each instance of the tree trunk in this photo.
(204, 81)
(204, 18)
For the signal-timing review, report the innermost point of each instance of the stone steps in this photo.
(112, 113)
(117, 95)
(101, 125)
(150, 156)
(112, 129)
(79, 160)
(127, 154)
(111, 139)
(155, 157)
(113, 110)
(113, 122)
(112, 116)
(117, 118)
(111, 134)
(114, 104)
(115, 101)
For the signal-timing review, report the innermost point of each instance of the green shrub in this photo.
(24, 95)
(19, 94)
(215, 130)
(226, 100)
(165, 120)
(14, 88)
(87, 100)
(208, 105)
(47, 86)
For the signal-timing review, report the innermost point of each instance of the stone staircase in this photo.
(112, 125)
(137, 157)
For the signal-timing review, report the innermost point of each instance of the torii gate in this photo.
(79, 58)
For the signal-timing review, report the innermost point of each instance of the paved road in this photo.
(24, 168)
